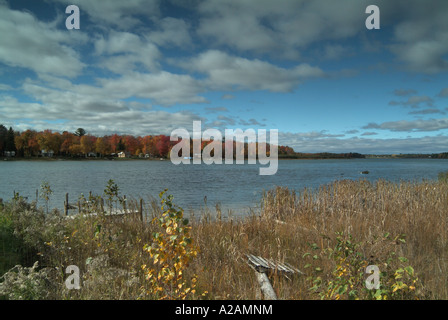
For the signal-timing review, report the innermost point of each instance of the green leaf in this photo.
(409, 270)
(402, 259)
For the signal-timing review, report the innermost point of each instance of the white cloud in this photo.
(281, 28)
(5, 87)
(29, 43)
(427, 144)
(173, 32)
(443, 92)
(97, 117)
(421, 38)
(411, 126)
(414, 101)
(117, 13)
(123, 52)
(163, 88)
(226, 72)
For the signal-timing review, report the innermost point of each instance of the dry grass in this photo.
(289, 222)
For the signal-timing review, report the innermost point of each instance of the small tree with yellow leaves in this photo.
(171, 252)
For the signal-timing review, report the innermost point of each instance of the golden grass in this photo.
(290, 221)
(110, 252)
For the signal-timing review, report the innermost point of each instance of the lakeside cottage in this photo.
(124, 154)
(47, 153)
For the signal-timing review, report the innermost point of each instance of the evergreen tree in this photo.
(10, 144)
(80, 132)
(3, 138)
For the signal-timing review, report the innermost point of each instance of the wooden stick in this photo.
(66, 204)
(265, 285)
(141, 209)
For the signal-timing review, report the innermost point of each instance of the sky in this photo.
(309, 68)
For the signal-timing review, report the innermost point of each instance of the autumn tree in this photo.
(163, 145)
(114, 140)
(67, 141)
(27, 144)
(87, 144)
(102, 146)
(131, 144)
(75, 147)
(50, 141)
(148, 144)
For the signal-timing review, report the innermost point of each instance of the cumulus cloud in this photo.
(411, 126)
(369, 133)
(414, 102)
(280, 28)
(427, 144)
(117, 13)
(443, 93)
(227, 97)
(227, 72)
(404, 92)
(97, 117)
(123, 52)
(163, 87)
(39, 46)
(421, 38)
(427, 111)
(216, 109)
(173, 32)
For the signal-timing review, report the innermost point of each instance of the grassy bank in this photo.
(331, 235)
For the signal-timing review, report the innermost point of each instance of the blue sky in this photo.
(310, 69)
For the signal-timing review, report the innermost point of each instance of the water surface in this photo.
(236, 187)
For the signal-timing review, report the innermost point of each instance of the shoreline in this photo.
(48, 159)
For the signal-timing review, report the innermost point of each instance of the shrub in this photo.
(171, 252)
(347, 279)
(21, 283)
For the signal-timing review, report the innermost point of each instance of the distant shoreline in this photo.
(280, 157)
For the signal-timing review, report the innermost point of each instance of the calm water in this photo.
(236, 187)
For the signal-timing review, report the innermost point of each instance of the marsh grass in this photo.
(109, 252)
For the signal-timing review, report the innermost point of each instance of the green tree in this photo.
(3, 138)
(80, 132)
(10, 143)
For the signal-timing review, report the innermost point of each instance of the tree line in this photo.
(31, 143)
